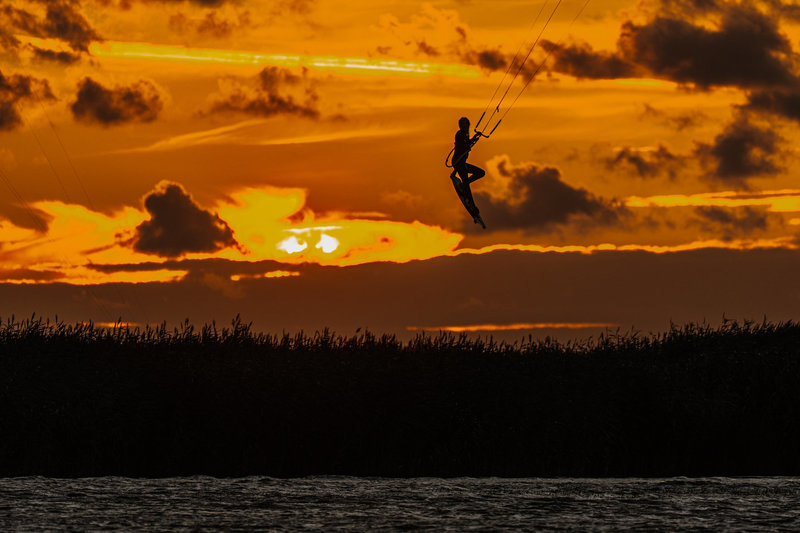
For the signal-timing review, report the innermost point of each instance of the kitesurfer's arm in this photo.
(475, 139)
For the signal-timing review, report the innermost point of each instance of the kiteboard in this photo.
(469, 205)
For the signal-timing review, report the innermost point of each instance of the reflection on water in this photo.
(321, 503)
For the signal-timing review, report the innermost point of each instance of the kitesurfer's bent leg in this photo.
(475, 173)
(468, 174)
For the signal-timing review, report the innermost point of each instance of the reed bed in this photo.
(697, 400)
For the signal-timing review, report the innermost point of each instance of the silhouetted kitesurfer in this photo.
(468, 173)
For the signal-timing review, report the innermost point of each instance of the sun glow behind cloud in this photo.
(82, 246)
(260, 219)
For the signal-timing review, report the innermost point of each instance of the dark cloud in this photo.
(273, 78)
(15, 89)
(62, 57)
(729, 224)
(647, 163)
(279, 92)
(538, 200)
(13, 20)
(24, 215)
(706, 44)
(424, 48)
(178, 225)
(8, 42)
(581, 61)
(780, 102)
(487, 59)
(61, 20)
(679, 121)
(490, 59)
(743, 150)
(27, 274)
(745, 48)
(96, 104)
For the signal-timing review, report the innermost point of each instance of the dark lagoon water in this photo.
(324, 504)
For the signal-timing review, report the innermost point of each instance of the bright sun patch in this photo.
(292, 245)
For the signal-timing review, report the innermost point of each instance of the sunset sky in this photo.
(285, 160)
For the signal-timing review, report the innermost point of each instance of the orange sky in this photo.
(277, 135)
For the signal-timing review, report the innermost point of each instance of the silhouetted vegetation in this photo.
(77, 400)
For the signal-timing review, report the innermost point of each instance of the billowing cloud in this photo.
(743, 150)
(780, 102)
(647, 163)
(279, 91)
(15, 89)
(95, 104)
(730, 223)
(178, 225)
(61, 20)
(533, 198)
(581, 61)
(744, 49)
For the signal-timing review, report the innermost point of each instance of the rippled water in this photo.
(257, 503)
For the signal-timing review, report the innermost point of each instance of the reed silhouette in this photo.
(78, 400)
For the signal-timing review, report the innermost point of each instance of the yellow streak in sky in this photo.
(352, 65)
(516, 327)
(782, 201)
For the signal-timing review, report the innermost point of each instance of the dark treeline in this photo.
(696, 401)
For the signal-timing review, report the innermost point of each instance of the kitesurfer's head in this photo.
(463, 123)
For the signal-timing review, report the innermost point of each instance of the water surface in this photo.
(324, 503)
